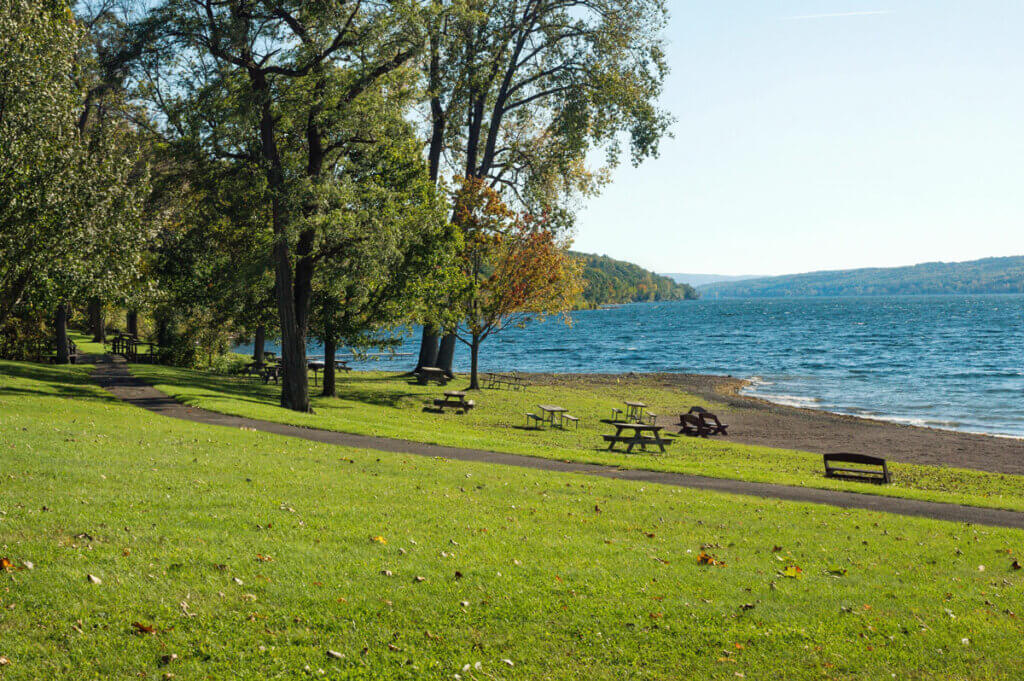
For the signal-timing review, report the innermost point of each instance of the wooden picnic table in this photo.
(553, 411)
(455, 399)
(318, 365)
(635, 411)
(638, 437)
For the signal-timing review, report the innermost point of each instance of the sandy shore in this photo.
(754, 421)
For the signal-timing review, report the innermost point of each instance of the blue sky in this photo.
(828, 134)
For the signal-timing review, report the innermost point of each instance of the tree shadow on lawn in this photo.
(61, 382)
(249, 390)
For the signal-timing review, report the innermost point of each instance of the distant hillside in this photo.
(611, 281)
(702, 279)
(990, 275)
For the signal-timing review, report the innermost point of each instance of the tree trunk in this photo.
(133, 323)
(258, 344)
(96, 321)
(428, 347)
(292, 292)
(474, 353)
(330, 350)
(295, 382)
(446, 354)
(61, 327)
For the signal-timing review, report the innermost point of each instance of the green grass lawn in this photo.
(376, 403)
(85, 343)
(242, 555)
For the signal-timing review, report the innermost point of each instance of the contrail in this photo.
(843, 14)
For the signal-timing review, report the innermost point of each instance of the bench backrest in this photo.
(846, 457)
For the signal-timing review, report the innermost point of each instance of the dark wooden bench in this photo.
(879, 475)
(427, 374)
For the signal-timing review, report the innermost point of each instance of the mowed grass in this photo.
(377, 403)
(248, 555)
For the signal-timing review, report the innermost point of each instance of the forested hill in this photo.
(990, 275)
(611, 281)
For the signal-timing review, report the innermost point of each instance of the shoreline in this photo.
(756, 421)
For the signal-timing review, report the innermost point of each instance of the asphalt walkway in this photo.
(113, 376)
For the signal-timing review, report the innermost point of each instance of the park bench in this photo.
(48, 351)
(536, 420)
(427, 374)
(575, 420)
(879, 475)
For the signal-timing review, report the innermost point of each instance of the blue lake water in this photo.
(954, 362)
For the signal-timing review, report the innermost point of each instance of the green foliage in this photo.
(610, 281)
(988, 275)
(70, 194)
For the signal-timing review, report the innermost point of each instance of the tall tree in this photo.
(69, 196)
(520, 92)
(294, 74)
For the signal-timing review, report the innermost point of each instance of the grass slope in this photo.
(387, 404)
(249, 554)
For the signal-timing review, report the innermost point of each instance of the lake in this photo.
(954, 362)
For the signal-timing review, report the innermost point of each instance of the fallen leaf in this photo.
(379, 539)
(263, 559)
(747, 606)
(386, 573)
(708, 559)
(237, 581)
(335, 654)
(1015, 565)
(792, 571)
(167, 659)
(458, 575)
(837, 571)
(509, 662)
(94, 579)
(417, 578)
(6, 565)
(141, 628)
(4, 661)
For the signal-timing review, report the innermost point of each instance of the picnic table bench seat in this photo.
(879, 475)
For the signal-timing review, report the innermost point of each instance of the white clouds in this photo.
(834, 15)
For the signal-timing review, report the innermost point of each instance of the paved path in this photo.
(115, 378)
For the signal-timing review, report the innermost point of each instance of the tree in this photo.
(514, 269)
(521, 92)
(69, 197)
(396, 243)
(294, 74)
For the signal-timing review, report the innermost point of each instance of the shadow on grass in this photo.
(248, 390)
(61, 381)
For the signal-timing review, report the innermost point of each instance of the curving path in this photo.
(113, 375)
